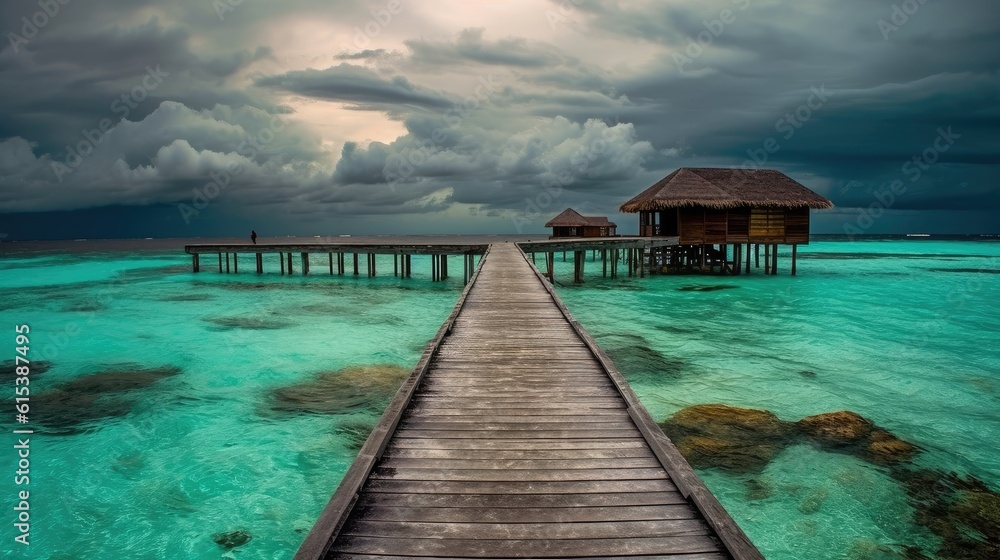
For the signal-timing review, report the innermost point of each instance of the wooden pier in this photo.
(635, 253)
(516, 437)
(337, 256)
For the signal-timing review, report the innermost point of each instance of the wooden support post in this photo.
(289, 263)
(756, 255)
(330, 258)
(260, 263)
(355, 264)
(774, 260)
(409, 265)
(220, 263)
(550, 259)
(194, 263)
(236, 263)
(444, 266)
(579, 257)
(604, 259)
(642, 262)
(281, 259)
(227, 262)
(305, 264)
(395, 264)
(795, 250)
(737, 259)
(564, 256)
(373, 268)
(341, 265)
(767, 259)
(532, 257)
(748, 258)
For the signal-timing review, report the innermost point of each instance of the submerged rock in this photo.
(72, 406)
(962, 511)
(728, 437)
(714, 288)
(342, 391)
(757, 489)
(248, 323)
(232, 539)
(746, 440)
(813, 501)
(355, 432)
(852, 433)
(35, 367)
(189, 297)
(635, 356)
(833, 429)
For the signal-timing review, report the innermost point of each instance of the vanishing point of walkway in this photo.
(516, 437)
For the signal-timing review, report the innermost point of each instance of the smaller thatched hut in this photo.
(569, 223)
(705, 207)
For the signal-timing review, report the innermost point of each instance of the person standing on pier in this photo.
(253, 236)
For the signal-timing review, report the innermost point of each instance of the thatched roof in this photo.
(572, 218)
(723, 188)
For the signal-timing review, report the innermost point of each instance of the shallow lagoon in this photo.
(901, 332)
(201, 444)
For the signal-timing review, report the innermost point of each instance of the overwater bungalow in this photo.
(569, 223)
(711, 209)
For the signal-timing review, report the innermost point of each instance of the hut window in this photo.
(767, 225)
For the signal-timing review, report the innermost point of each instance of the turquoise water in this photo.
(901, 332)
(199, 452)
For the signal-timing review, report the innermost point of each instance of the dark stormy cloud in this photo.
(311, 116)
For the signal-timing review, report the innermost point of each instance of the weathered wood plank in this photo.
(403, 442)
(372, 510)
(394, 451)
(609, 416)
(695, 556)
(581, 530)
(504, 488)
(525, 475)
(539, 548)
(524, 501)
(517, 434)
(399, 463)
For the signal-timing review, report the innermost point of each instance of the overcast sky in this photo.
(198, 117)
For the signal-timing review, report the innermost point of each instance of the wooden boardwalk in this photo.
(515, 437)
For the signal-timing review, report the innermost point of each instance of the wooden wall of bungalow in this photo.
(711, 226)
(581, 231)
